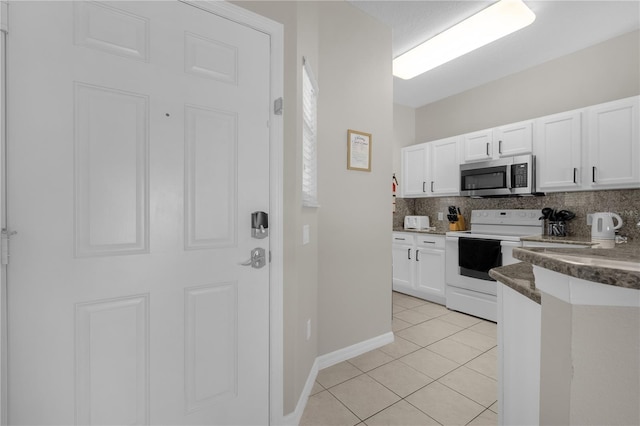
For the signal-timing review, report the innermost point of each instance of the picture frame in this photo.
(358, 151)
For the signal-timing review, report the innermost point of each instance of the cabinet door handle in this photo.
(398, 238)
(431, 186)
(423, 184)
(428, 242)
(417, 258)
(409, 254)
(499, 147)
(487, 149)
(593, 174)
(575, 170)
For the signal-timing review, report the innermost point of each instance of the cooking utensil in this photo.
(565, 215)
(546, 212)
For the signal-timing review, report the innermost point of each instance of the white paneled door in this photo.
(138, 147)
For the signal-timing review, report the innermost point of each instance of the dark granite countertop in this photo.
(618, 266)
(419, 231)
(518, 276)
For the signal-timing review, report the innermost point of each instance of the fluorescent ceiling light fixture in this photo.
(488, 25)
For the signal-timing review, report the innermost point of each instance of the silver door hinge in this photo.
(277, 106)
(4, 245)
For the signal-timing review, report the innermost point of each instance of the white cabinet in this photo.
(504, 141)
(588, 149)
(614, 145)
(402, 250)
(513, 139)
(558, 149)
(430, 267)
(431, 169)
(519, 340)
(418, 265)
(478, 145)
(414, 169)
(444, 167)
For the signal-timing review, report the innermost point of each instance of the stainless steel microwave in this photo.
(503, 177)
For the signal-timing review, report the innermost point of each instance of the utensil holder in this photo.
(556, 229)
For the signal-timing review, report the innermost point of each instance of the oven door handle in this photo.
(508, 177)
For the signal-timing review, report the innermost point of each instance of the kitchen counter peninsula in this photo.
(619, 266)
(518, 276)
(569, 321)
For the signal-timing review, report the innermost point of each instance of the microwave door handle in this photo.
(508, 176)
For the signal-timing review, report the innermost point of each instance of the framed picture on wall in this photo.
(358, 151)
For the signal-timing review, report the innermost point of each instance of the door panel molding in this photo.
(110, 334)
(109, 218)
(211, 326)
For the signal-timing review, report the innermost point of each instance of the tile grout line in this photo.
(420, 347)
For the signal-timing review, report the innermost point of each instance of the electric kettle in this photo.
(602, 227)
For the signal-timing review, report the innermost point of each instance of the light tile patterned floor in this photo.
(440, 370)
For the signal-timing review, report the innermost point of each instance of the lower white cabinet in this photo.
(519, 339)
(418, 265)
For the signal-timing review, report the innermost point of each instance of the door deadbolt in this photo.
(259, 225)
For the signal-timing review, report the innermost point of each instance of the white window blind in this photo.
(309, 137)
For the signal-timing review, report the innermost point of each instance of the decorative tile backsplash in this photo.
(625, 202)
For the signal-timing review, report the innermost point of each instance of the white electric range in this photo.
(470, 254)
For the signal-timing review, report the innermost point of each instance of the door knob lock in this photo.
(258, 258)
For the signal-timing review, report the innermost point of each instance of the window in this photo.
(309, 137)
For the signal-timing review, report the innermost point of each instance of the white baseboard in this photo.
(293, 419)
(327, 360)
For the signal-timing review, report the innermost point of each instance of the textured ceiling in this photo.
(561, 27)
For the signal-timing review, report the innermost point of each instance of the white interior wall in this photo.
(600, 73)
(341, 280)
(354, 222)
(404, 132)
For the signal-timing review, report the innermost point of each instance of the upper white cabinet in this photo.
(588, 149)
(414, 169)
(444, 167)
(614, 146)
(478, 145)
(504, 141)
(592, 148)
(513, 139)
(558, 148)
(431, 169)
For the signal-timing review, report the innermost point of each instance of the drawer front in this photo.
(402, 238)
(430, 241)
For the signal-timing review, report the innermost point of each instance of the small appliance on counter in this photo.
(456, 220)
(602, 228)
(416, 222)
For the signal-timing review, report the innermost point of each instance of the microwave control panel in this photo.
(519, 174)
